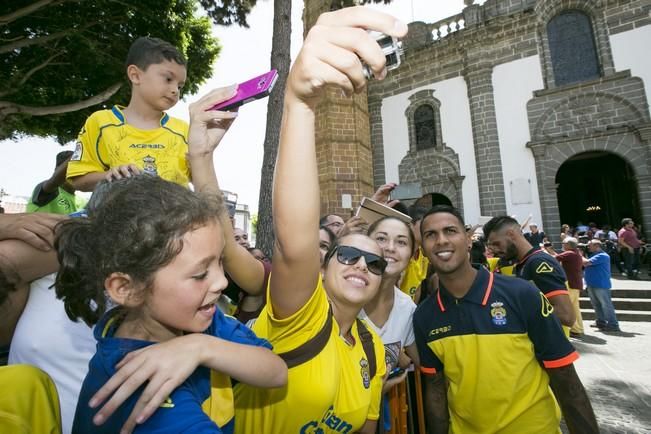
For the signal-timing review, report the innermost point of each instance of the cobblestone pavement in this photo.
(615, 368)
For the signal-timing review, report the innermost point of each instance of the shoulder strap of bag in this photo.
(311, 348)
(367, 344)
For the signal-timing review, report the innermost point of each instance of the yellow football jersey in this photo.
(106, 141)
(414, 274)
(495, 266)
(331, 393)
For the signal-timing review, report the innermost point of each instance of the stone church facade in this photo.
(501, 110)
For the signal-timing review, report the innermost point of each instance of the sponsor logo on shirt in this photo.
(146, 146)
(329, 420)
(440, 330)
(544, 267)
(547, 307)
(498, 313)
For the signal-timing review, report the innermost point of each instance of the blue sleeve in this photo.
(181, 413)
(230, 329)
(598, 259)
(551, 346)
(430, 364)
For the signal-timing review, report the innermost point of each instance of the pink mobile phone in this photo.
(250, 90)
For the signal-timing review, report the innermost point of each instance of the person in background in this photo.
(326, 239)
(55, 195)
(141, 137)
(566, 231)
(572, 262)
(506, 240)
(258, 254)
(241, 238)
(535, 236)
(332, 222)
(598, 283)
(630, 244)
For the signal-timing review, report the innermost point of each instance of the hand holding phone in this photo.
(395, 373)
(251, 90)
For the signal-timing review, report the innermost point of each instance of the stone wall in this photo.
(609, 114)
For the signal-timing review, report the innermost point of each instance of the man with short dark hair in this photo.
(597, 280)
(630, 247)
(332, 222)
(506, 240)
(490, 347)
(534, 236)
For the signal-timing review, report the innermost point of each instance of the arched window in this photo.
(572, 48)
(425, 126)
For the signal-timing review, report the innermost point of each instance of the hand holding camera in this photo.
(336, 49)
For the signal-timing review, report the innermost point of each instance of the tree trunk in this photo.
(280, 60)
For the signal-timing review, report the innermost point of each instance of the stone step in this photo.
(626, 315)
(641, 304)
(634, 293)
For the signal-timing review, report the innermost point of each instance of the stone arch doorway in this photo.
(432, 199)
(597, 187)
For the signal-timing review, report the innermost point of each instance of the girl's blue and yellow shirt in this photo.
(202, 404)
(490, 345)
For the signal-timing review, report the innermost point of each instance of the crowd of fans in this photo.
(147, 310)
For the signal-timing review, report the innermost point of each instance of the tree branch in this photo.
(13, 16)
(26, 42)
(7, 107)
(16, 87)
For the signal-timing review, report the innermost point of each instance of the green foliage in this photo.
(67, 51)
(254, 223)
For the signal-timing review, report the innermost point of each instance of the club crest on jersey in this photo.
(498, 313)
(366, 373)
(149, 165)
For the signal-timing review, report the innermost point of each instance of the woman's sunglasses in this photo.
(348, 255)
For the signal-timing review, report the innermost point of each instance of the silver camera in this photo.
(392, 49)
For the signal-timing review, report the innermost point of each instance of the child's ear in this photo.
(133, 73)
(123, 289)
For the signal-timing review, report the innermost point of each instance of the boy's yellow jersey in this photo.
(107, 141)
(331, 393)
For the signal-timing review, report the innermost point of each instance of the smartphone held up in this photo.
(250, 90)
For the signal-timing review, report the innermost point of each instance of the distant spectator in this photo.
(55, 195)
(535, 236)
(565, 231)
(241, 238)
(597, 280)
(630, 247)
(605, 233)
(572, 262)
(580, 229)
(332, 222)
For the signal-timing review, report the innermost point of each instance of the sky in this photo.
(245, 54)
